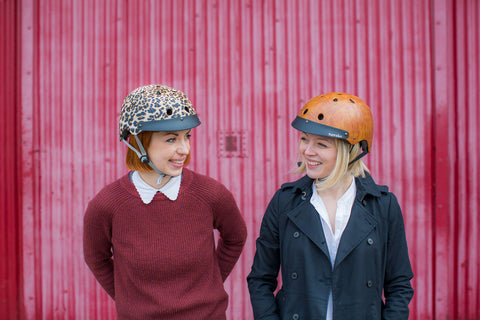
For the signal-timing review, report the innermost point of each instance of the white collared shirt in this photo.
(342, 215)
(147, 192)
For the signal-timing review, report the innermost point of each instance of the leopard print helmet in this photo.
(156, 108)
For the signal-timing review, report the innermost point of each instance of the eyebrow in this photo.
(322, 138)
(325, 140)
(175, 133)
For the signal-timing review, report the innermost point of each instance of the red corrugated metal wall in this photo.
(248, 66)
(10, 139)
(462, 114)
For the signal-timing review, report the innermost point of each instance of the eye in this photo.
(188, 136)
(171, 140)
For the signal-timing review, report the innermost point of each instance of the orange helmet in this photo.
(337, 115)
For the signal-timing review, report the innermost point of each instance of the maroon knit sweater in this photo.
(164, 263)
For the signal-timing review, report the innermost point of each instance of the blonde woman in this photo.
(337, 237)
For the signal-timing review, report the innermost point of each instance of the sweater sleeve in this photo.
(233, 231)
(97, 246)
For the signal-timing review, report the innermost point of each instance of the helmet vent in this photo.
(351, 100)
(305, 111)
(187, 109)
(169, 111)
(335, 99)
(320, 116)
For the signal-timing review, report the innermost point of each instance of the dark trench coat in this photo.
(372, 258)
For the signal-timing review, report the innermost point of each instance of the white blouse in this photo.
(342, 215)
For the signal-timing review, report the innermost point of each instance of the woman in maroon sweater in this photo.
(148, 237)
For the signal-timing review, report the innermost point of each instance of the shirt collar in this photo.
(344, 208)
(347, 197)
(147, 192)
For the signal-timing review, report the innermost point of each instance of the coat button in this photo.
(294, 276)
(295, 316)
(370, 241)
(296, 234)
(369, 283)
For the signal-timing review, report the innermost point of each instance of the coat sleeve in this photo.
(232, 230)
(398, 271)
(97, 246)
(262, 280)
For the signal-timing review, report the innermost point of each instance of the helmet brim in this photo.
(318, 129)
(174, 124)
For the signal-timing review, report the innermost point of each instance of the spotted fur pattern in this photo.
(151, 103)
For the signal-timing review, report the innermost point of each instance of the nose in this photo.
(183, 147)
(308, 149)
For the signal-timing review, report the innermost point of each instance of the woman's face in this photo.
(168, 151)
(319, 154)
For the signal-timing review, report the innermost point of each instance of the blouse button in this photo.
(296, 234)
(294, 276)
(369, 283)
(370, 241)
(295, 316)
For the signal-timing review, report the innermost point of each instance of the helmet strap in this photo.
(142, 155)
(364, 146)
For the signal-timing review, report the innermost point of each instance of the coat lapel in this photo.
(360, 224)
(306, 218)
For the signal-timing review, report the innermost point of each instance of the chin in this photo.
(175, 173)
(314, 176)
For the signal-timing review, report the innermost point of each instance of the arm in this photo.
(262, 280)
(233, 233)
(97, 246)
(398, 272)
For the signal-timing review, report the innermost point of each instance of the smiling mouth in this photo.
(177, 162)
(313, 163)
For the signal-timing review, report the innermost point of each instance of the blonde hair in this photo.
(345, 153)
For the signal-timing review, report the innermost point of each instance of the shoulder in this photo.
(114, 194)
(290, 194)
(302, 184)
(300, 187)
(120, 185)
(383, 202)
(200, 181)
(367, 186)
(203, 186)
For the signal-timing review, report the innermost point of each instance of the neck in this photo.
(151, 178)
(338, 190)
